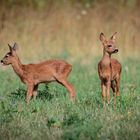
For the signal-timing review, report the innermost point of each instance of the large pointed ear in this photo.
(102, 37)
(113, 37)
(10, 48)
(15, 47)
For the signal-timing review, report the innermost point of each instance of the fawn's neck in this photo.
(106, 60)
(18, 67)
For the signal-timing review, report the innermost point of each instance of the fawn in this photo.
(34, 74)
(109, 69)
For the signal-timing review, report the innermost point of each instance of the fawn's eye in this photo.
(6, 55)
(109, 46)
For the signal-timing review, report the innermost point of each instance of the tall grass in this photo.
(69, 30)
(53, 116)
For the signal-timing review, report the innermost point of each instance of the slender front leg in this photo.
(114, 99)
(114, 89)
(35, 91)
(118, 91)
(29, 93)
(108, 91)
(104, 94)
(118, 87)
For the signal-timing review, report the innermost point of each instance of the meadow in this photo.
(54, 116)
(70, 32)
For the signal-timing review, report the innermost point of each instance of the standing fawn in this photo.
(34, 74)
(109, 69)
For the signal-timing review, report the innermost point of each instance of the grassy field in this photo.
(52, 116)
(70, 30)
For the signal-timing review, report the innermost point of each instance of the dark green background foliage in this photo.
(44, 3)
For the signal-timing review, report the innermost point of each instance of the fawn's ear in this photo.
(113, 37)
(15, 47)
(10, 48)
(102, 37)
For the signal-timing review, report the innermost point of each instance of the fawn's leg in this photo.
(108, 84)
(69, 86)
(35, 91)
(104, 94)
(114, 89)
(118, 90)
(113, 86)
(118, 86)
(29, 93)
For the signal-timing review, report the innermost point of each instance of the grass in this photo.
(70, 31)
(53, 116)
(73, 28)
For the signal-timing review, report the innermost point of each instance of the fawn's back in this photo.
(46, 71)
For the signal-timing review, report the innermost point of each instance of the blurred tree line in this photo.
(41, 4)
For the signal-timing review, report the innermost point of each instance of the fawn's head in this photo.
(109, 45)
(11, 56)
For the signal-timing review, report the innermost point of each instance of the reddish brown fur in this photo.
(109, 69)
(44, 72)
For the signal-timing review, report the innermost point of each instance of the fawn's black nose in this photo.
(116, 50)
(1, 61)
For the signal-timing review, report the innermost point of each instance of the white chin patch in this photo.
(2, 64)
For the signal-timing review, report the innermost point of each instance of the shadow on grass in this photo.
(43, 94)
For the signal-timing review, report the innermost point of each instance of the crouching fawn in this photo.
(109, 69)
(44, 72)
